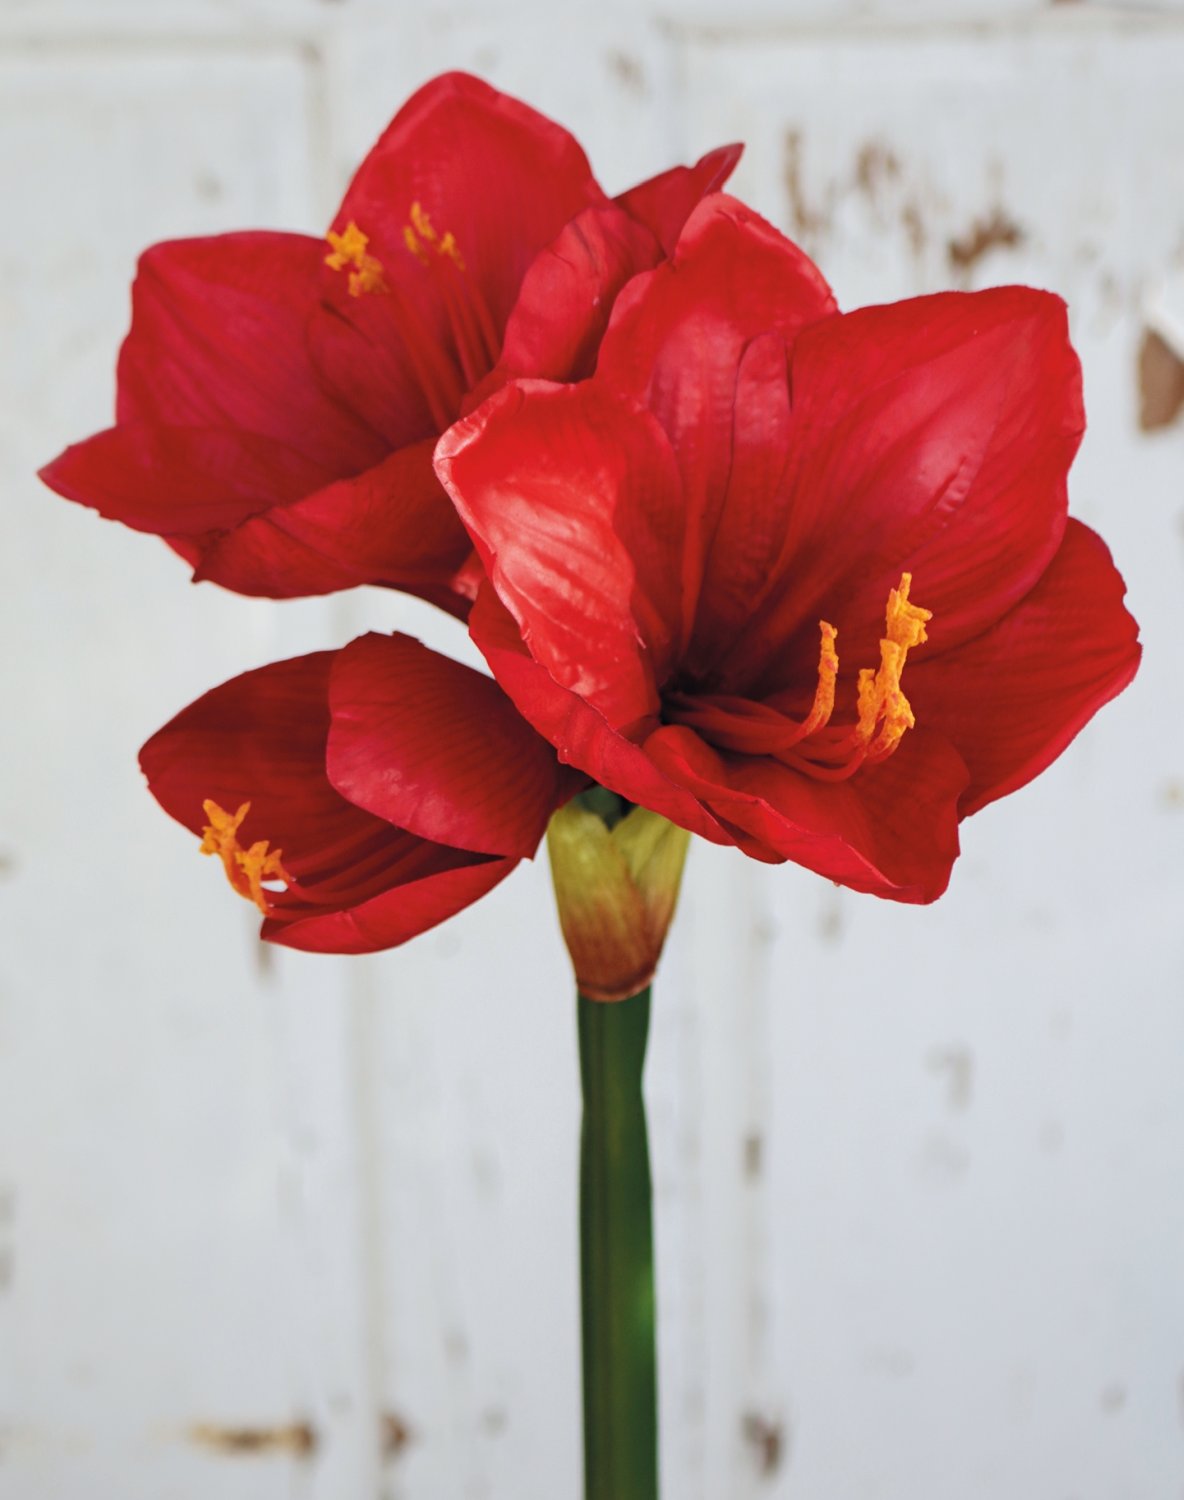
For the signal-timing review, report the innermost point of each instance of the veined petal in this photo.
(421, 898)
(485, 168)
(185, 480)
(891, 830)
(581, 735)
(665, 202)
(675, 345)
(218, 340)
(392, 525)
(1015, 696)
(933, 437)
(567, 295)
(439, 749)
(573, 503)
(360, 884)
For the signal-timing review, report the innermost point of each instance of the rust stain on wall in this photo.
(766, 1437)
(395, 1434)
(996, 232)
(875, 165)
(1161, 383)
(914, 228)
(627, 69)
(296, 1438)
(805, 221)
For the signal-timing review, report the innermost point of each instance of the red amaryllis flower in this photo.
(280, 396)
(800, 581)
(359, 796)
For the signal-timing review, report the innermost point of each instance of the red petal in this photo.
(1013, 698)
(439, 749)
(573, 503)
(498, 176)
(677, 333)
(891, 830)
(580, 734)
(675, 344)
(361, 883)
(393, 525)
(930, 436)
(218, 340)
(423, 900)
(555, 329)
(742, 549)
(368, 351)
(191, 480)
(664, 203)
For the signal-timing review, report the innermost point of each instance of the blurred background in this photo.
(276, 1226)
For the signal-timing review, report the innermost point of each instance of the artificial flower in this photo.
(360, 796)
(797, 580)
(279, 396)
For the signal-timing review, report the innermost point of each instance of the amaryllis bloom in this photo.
(279, 396)
(360, 796)
(799, 581)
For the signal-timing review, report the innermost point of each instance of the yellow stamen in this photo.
(246, 869)
(421, 232)
(349, 250)
(881, 703)
(422, 224)
(824, 693)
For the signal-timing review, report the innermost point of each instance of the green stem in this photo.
(617, 1255)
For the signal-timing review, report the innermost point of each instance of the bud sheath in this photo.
(616, 871)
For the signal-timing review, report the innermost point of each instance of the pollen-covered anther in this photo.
(349, 249)
(421, 234)
(884, 711)
(246, 869)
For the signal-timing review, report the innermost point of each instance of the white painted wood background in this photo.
(918, 1172)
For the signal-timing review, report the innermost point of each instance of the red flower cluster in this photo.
(280, 396)
(799, 581)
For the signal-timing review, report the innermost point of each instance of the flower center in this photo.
(246, 869)
(825, 751)
(349, 249)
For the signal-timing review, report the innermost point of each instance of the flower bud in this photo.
(616, 870)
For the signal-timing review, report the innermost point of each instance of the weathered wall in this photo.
(273, 1226)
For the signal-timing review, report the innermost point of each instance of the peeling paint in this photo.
(875, 165)
(1161, 383)
(914, 228)
(627, 69)
(995, 232)
(766, 1437)
(300, 1439)
(805, 222)
(395, 1434)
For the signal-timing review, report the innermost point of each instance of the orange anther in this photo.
(349, 250)
(246, 869)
